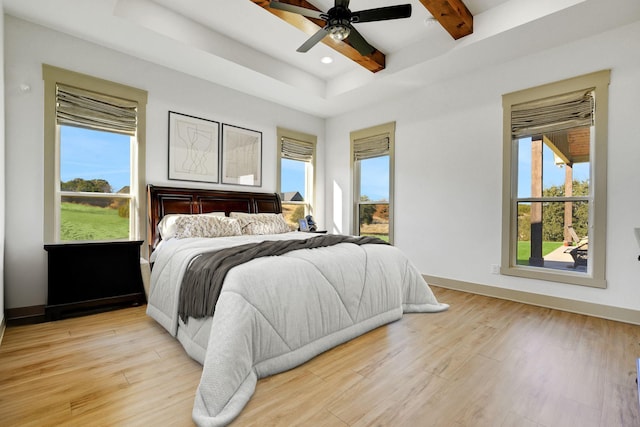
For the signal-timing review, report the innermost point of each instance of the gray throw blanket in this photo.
(202, 281)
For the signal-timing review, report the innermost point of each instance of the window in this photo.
(296, 174)
(94, 158)
(554, 180)
(372, 156)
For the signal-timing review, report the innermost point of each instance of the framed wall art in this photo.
(241, 156)
(193, 148)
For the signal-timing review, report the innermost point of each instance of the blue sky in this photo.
(89, 154)
(551, 174)
(374, 180)
(292, 178)
(375, 177)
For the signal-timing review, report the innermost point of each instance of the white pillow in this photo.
(167, 225)
(206, 226)
(261, 223)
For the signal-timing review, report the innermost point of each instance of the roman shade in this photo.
(92, 110)
(556, 113)
(294, 149)
(370, 147)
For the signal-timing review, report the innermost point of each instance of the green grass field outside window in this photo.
(84, 222)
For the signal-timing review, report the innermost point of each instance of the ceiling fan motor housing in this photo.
(338, 20)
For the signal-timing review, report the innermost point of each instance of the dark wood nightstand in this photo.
(88, 277)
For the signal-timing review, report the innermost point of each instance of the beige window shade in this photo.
(371, 147)
(297, 150)
(83, 108)
(553, 114)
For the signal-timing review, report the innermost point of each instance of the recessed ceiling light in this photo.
(326, 60)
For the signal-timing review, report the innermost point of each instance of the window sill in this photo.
(550, 275)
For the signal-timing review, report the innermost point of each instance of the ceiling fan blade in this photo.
(295, 9)
(382, 13)
(359, 43)
(313, 40)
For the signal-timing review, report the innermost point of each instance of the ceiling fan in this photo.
(338, 22)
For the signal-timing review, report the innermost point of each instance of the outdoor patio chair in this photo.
(580, 252)
(574, 236)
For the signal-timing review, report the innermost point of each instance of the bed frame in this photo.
(168, 200)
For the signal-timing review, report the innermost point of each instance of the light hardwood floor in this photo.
(485, 362)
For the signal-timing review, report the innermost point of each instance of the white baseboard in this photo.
(580, 307)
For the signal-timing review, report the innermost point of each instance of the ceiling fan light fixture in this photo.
(339, 30)
(338, 22)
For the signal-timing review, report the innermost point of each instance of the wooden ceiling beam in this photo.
(374, 62)
(453, 15)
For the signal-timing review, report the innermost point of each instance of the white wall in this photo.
(2, 179)
(27, 46)
(449, 167)
(448, 154)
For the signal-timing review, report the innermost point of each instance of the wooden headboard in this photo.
(168, 200)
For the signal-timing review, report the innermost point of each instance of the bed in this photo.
(273, 310)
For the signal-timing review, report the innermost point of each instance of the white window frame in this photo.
(386, 130)
(52, 194)
(310, 167)
(595, 275)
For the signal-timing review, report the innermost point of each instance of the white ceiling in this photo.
(267, 33)
(238, 44)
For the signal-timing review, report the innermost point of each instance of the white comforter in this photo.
(275, 313)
